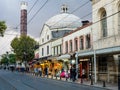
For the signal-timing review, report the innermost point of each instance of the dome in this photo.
(64, 20)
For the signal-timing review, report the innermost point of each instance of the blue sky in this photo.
(10, 12)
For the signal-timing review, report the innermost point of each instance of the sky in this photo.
(10, 13)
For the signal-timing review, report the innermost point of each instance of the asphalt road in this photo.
(18, 81)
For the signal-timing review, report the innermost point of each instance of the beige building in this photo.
(106, 34)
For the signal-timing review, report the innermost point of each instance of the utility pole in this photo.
(119, 73)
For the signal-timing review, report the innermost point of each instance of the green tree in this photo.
(4, 59)
(23, 47)
(3, 27)
(12, 58)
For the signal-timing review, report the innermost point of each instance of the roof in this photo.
(57, 34)
(64, 20)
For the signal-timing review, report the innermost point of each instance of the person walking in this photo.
(73, 73)
(40, 71)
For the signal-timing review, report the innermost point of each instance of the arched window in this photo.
(104, 24)
(71, 46)
(81, 43)
(66, 46)
(76, 44)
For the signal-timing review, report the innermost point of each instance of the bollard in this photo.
(60, 78)
(56, 77)
(66, 78)
(52, 77)
(104, 85)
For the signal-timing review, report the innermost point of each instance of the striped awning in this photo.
(65, 56)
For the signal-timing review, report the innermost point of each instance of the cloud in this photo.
(6, 40)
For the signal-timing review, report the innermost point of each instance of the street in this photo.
(19, 81)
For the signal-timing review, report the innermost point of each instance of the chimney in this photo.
(23, 18)
(85, 22)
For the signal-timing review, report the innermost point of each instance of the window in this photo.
(104, 24)
(76, 44)
(57, 50)
(88, 45)
(42, 51)
(102, 64)
(42, 40)
(60, 49)
(71, 46)
(54, 51)
(47, 37)
(47, 50)
(66, 46)
(81, 43)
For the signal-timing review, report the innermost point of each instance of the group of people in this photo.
(39, 71)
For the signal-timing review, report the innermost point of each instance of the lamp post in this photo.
(76, 65)
(7, 54)
(24, 53)
(91, 70)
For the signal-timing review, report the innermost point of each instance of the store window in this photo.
(81, 43)
(104, 24)
(76, 44)
(102, 64)
(71, 45)
(88, 43)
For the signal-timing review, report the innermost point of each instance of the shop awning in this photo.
(110, 50)
(66, 56)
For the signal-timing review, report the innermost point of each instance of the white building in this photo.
(56, 27)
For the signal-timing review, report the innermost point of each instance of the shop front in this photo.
(65, 61)
(104, 63)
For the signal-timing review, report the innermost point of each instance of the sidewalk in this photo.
(108, 86)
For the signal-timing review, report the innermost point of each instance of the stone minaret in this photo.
(23, 21)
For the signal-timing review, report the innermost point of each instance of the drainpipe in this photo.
(95, 67)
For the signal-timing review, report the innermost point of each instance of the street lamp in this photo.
(76, 65)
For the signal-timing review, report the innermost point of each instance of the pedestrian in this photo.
(73, 73)
(40, 71)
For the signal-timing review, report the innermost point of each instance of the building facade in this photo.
(106, 34)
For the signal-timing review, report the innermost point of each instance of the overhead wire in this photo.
(89, 13)
(37, 11)
(83, 17)
(17, 27)
(71, 13)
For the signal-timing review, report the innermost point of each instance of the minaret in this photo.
(23, 22)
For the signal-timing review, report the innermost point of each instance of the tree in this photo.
(12, 58)
(4, 59)
(23, 47)
(8, 59)
(3, 27)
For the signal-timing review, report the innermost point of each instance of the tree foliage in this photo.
(3, 27)
(4, 59)
(8, 59)
(23, 47)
